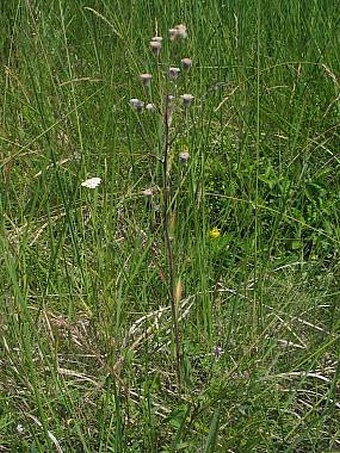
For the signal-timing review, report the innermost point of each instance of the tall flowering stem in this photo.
(168, 239)
(170, 104)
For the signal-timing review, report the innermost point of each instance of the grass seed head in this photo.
(178, 291)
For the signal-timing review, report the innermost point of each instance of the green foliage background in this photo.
(87, 354)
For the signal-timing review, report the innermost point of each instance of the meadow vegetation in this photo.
(188, 300)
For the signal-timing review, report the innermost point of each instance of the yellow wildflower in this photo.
(214, 233)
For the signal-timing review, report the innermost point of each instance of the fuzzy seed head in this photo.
(173, 73)
(184, 157)
(178, 32)
(148, 193)
(137, 105)
(187, 99)
(173, 33)
(150, 107)
(182, 31)
(145, 79)
(157, 39)
(156, 47)
(186, 63)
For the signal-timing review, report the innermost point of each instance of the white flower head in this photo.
(217, 352)
(20, 429)
(92, 183)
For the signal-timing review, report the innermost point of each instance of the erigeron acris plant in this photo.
(166, 82)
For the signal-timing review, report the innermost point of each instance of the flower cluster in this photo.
(170, 98)
(91, 183)
(179, 32)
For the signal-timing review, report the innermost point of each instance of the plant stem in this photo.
(168, 240)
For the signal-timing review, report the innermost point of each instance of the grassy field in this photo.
(190, 301)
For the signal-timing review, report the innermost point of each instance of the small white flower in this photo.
(92, 183)
(217, 352)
